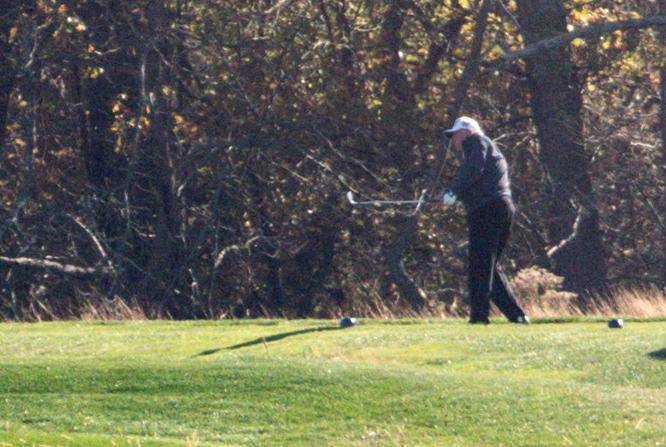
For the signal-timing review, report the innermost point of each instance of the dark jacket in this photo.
(483, 175)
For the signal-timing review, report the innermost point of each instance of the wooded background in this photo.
(192, 157)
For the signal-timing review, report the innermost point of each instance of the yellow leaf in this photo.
(618, 40)
(578, 42)
(96, 72)
(119, 144)
(582, 16)
(496, 51)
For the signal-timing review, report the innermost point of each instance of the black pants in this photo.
(489, 230)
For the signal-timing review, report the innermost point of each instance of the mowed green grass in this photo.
(279, 383)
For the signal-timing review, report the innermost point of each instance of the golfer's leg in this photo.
(503, 296)
(479, 277)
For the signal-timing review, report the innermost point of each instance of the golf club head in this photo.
(350, 197)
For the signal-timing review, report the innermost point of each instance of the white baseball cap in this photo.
(464, 123)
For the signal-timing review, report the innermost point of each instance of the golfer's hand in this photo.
(449, 198)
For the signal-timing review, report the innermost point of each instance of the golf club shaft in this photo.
(350, 197)
(387, 202)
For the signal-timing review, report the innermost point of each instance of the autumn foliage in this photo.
(191, 158)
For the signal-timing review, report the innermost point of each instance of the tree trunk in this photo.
(7, 81)
(105, 169)
(157, 165)
(662, 122)
(7, 68)
(397, 99)
(97, 93)
(397, 274)
(436, 52)
(556, 109)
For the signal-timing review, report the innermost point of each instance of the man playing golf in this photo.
(484, 187)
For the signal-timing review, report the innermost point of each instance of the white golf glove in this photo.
(449, 198)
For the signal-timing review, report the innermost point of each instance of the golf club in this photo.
(350, 197)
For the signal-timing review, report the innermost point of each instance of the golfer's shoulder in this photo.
(489, 147)
(477, 142)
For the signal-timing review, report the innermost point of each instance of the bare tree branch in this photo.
(95, 240)
(472, 66)
(57, 267)
(581, 33)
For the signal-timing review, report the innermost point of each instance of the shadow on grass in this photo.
(659, 355)
(269, 339)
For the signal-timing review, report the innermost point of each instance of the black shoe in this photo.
(479, 321)
(523, 319)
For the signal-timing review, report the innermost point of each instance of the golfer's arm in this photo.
(471, 169)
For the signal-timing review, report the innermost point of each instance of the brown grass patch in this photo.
(112, 309)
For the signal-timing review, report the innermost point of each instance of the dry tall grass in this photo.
(640, 303)
(114, 309)
(541, 296)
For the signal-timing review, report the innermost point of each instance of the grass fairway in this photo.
(277, 383)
